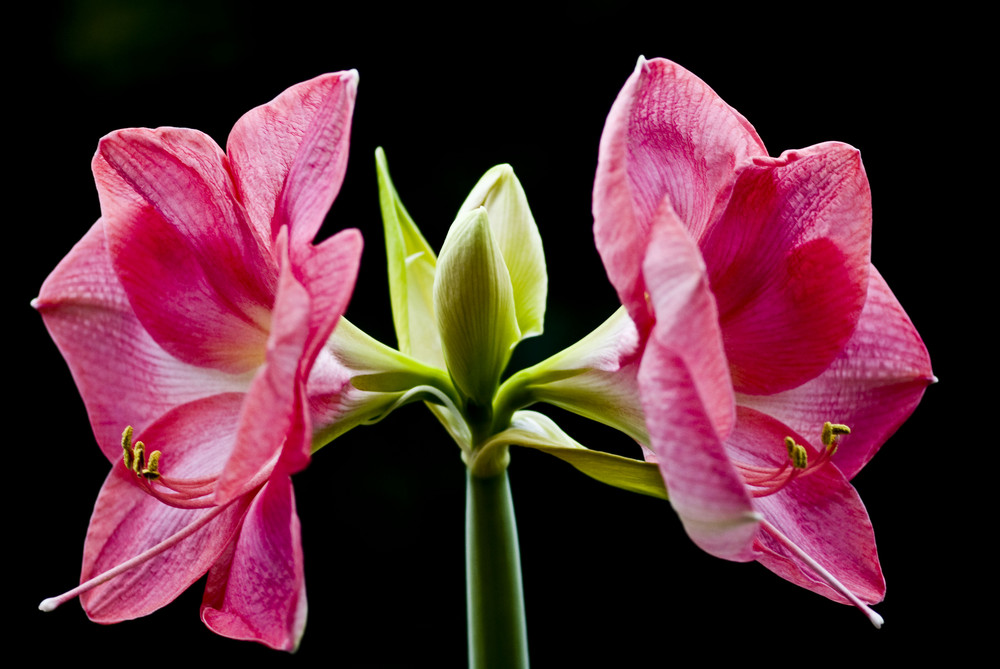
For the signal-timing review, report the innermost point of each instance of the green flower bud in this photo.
(474, 308)
(516, 234)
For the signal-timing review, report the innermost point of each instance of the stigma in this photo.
(764, 480)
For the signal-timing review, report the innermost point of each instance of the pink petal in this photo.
(257, 592)
(333, 402)
(290, 155)
(819, 511)
(328, 272)
(128, 521)
(824, 516)
(197, 276)
(788, 263)
(668, 135)
(687, 323)
(705, 489)
(873, 386)
(274, 415)
(124, 377)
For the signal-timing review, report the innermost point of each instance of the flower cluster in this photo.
(759, 358)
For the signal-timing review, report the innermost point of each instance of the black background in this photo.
(610, 577)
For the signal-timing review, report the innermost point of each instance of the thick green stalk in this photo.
(498, 636)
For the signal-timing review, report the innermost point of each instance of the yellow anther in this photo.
(135, 457)
(129, 456)
(138, 457)
(831, 431)
(152, 469)
(797, 454)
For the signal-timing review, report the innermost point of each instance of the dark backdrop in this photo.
(610, 577)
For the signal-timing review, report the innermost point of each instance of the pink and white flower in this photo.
(766, 329)
(195, 311)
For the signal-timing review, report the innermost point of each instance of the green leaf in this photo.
(514, 228)
(534, 430)
(411, 264)
(474, 307)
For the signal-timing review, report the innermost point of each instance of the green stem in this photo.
(498, 636)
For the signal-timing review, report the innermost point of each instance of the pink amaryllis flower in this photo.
(768, 333)
(194, 313)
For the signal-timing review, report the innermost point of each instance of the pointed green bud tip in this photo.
(474, 307)
(516, 233)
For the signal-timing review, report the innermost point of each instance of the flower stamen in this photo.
(797, 454)
(183, 493)
(764, 480)
(831, 435)
(135, 458)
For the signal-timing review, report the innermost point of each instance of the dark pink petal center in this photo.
(197, 277)
(788, 264)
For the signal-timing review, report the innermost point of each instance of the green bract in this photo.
(459, 316)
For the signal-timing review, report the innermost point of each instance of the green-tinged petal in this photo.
(595, 377)
(474, 307)
(367, 381)
(520, 244)
(411, 274)
(377, 367)
(535, 430)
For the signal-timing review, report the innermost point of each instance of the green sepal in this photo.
(365, 356)
(534, 430)
(411, 263)
(474, 308)
(389, 382)
(516, 233)
(381, 379)
(595, 378)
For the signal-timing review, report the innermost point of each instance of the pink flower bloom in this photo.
(750, 279)
(196, 310)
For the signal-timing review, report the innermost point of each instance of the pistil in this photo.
(823, 573)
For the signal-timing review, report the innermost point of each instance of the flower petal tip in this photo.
(352, 77)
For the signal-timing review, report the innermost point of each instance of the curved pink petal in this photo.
(274, 416)
(128, 521)
(687, 322)
(705, 489)
(124, 377)
(257, 591)
(668, 135)
(824, 516)
(872, 386)
(819, 511)
(328, 272)
(196, 274)
(788, 262)
(331, 397)
(290, 155)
